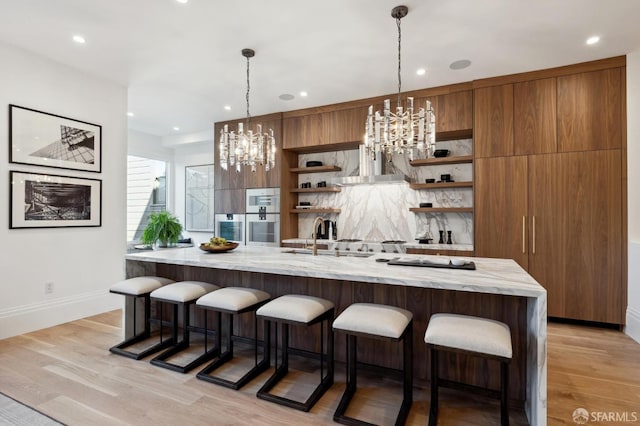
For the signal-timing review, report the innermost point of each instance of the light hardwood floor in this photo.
(68, 373)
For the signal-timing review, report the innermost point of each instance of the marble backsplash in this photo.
(381, 211)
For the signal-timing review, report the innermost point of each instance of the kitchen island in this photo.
(497, 289)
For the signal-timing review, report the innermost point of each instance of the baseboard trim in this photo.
(35, 316)
(632, 329)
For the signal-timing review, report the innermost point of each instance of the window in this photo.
(146, 193)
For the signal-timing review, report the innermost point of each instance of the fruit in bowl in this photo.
(218, 244)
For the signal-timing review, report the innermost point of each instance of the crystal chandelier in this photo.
(404, 131)
(246, 147)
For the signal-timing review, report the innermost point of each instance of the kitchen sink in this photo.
(335, 253)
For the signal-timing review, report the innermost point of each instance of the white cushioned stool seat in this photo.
(232, 298)
(139, 285)
(295, 307)
(378, 320)
(183, 291)
(469, 333)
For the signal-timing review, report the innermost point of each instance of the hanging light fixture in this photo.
(246, 147)
(405, 132)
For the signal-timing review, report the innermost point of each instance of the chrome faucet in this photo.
(315, 233)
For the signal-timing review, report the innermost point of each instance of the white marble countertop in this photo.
(497, 276)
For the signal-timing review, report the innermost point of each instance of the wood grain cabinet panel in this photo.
(534, 117)
(229, 201)
(590, 108)
(493, 121)
(576, 202)
(301, 131)
(454, 111)
(345, 125)
(500, 208)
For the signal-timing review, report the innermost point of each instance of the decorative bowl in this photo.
(218, 249)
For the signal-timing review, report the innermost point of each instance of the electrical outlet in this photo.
(48, 288)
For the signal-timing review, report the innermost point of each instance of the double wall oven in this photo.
(263, 217)
(231, 226)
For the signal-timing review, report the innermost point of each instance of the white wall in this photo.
(633, 195)
(82, 263)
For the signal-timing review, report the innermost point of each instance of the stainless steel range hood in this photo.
(371, 172)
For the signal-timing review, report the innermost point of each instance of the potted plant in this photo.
(163, 227)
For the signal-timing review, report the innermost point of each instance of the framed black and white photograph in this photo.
(44, 139)
(48, 201)
(199, 198)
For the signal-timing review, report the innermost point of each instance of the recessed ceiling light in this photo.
(182, 1)
(421, 71)
(593, 40)
(177, 129)
(130, 114)
(286, 97)
(461, 64)
(304, 94)
(79, 39)
(227, 107)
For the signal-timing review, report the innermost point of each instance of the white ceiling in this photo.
(182, 62)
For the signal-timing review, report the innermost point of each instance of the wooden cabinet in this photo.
(331, 129)
(576, 233)
(229, 201)
(571, 238)
(501, 199)
(493, 121)
(590, 109)
(454, 111)
(534, 117)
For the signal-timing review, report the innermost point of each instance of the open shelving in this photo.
(441, 209)
(315, 210)
(312, 190)
(316, 169)
(441, 185)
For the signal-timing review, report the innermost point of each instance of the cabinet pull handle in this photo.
(524, 247)
(534, 235)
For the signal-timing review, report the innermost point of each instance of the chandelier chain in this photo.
(248, 88)
(399, 59)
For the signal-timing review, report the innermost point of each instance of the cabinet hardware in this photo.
(533, 243)
(524, 247)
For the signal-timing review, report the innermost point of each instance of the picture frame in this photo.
(43, 139)
(199, 194)
(38, 200)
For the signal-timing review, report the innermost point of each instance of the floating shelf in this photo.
(441, 210)
(324, 189)
(441, 185)
(460, 159)
(316, 169)
(314, 210)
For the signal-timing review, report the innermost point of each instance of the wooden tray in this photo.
(426, 264)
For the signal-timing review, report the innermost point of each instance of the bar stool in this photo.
(233, 301)
(138, 287)
(298, 310)
(473, 336)
(377, 322)
(181, 294)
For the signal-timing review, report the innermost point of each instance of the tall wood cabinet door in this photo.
(576, 254)
(500, 208)
(493, 121)
(590, 109)
(534, 117)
